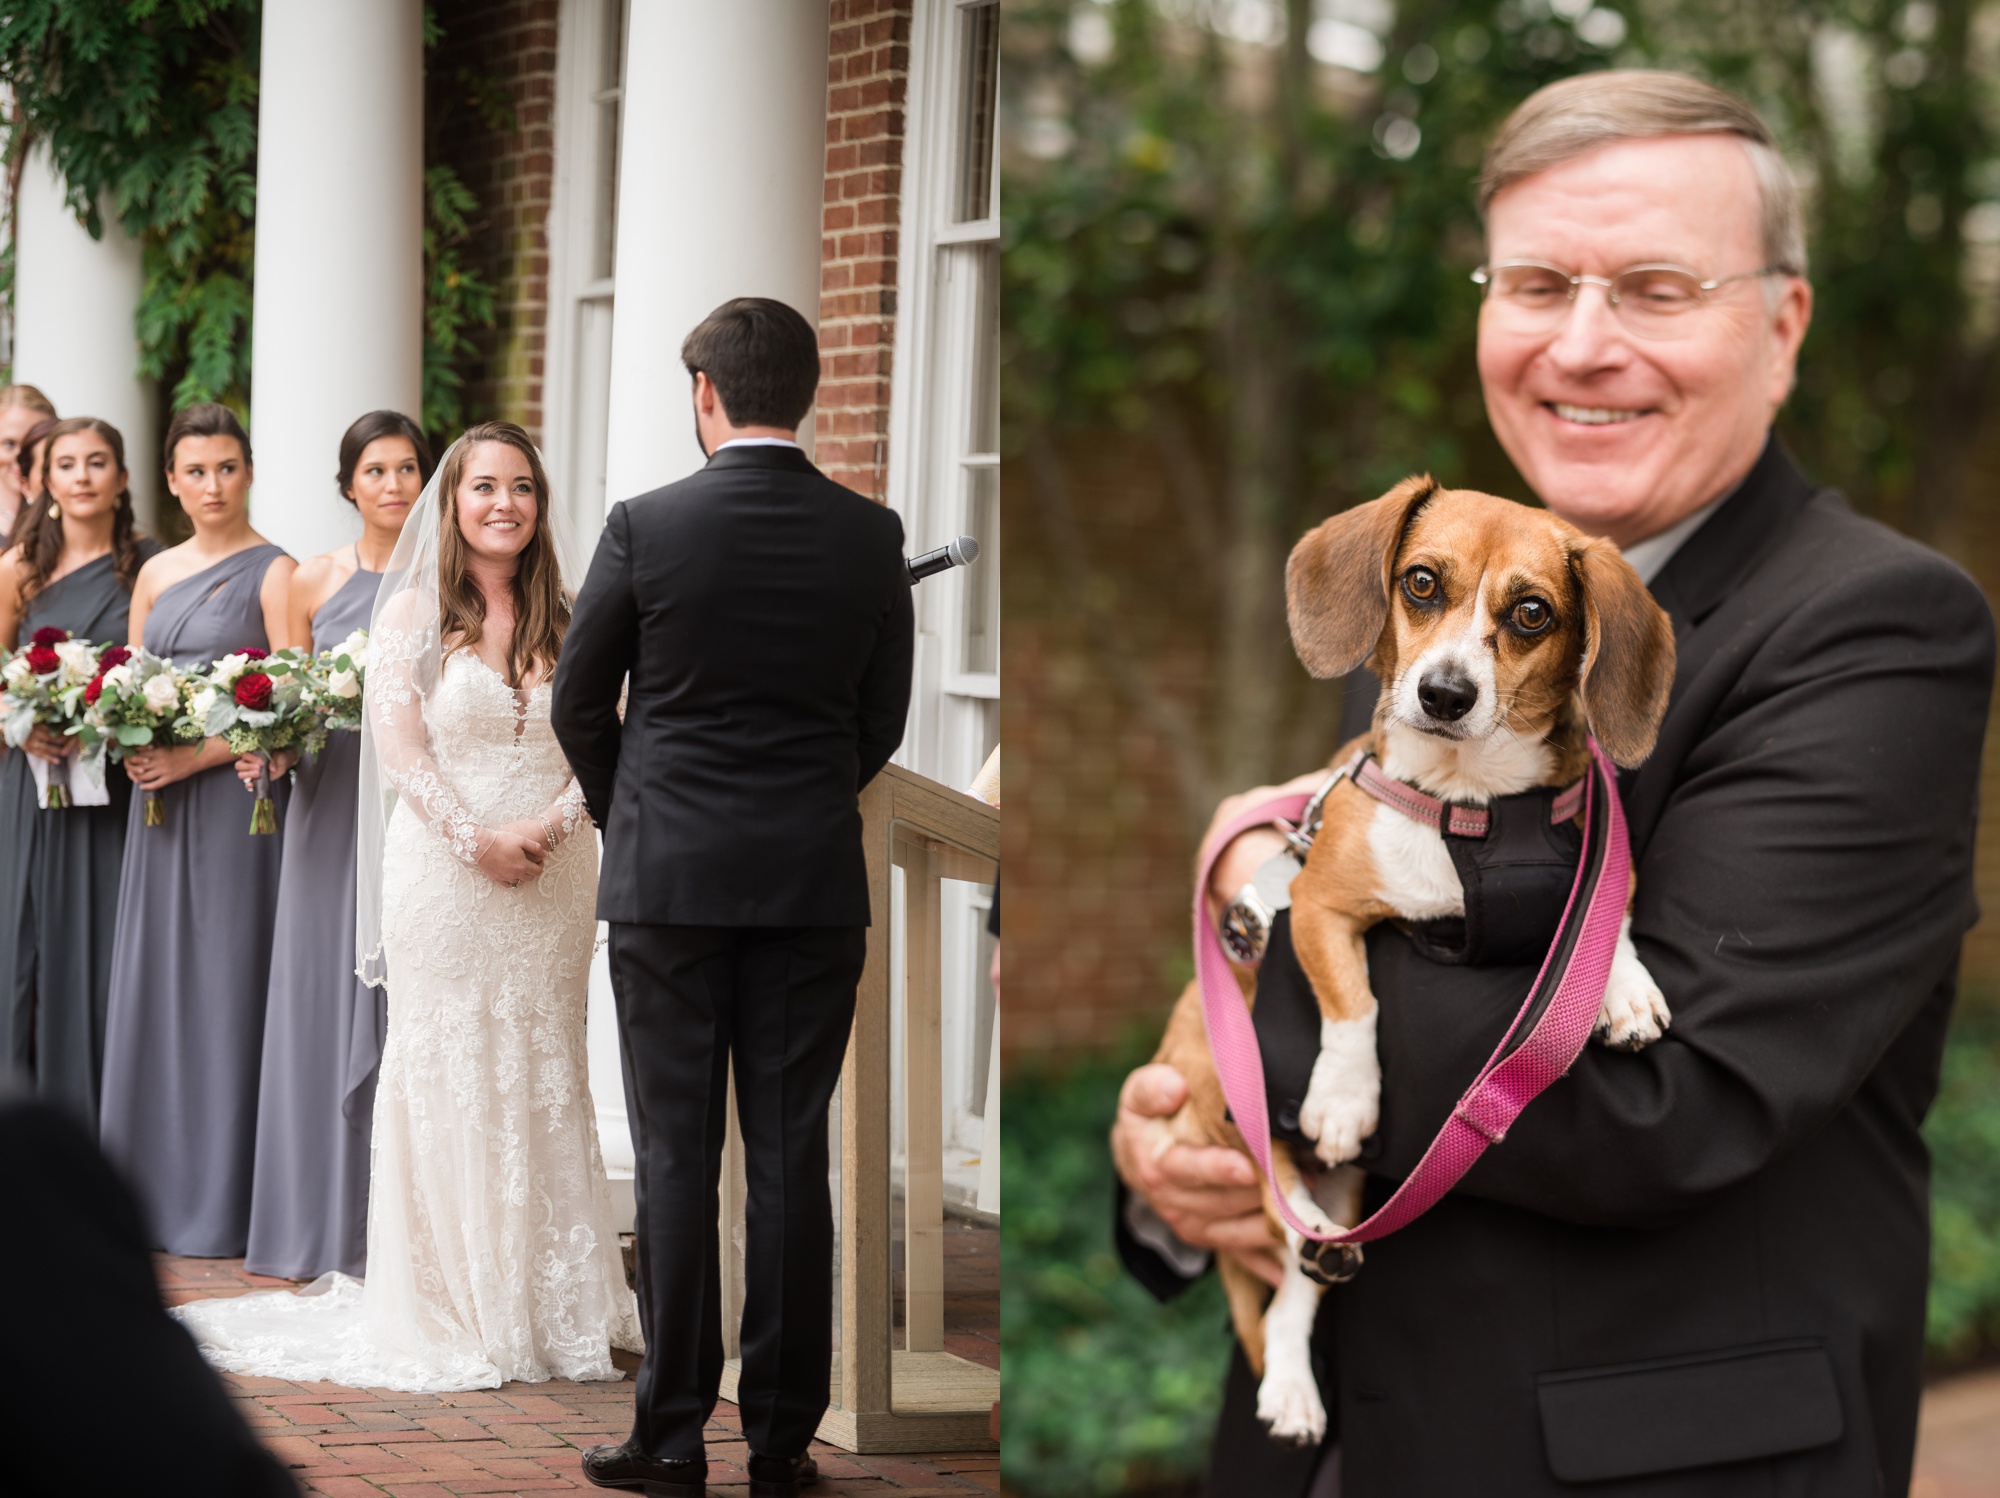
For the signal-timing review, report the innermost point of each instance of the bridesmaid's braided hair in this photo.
(41, 526)
(541, 608)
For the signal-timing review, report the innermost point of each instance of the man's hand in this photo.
(1208, 1196)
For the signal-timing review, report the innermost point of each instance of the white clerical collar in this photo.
(761, 442)
(1650, 555)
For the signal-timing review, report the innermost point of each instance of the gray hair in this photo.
(1566, 119)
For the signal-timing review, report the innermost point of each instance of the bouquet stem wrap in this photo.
(156, 809)
(57, 798)
(264, 811)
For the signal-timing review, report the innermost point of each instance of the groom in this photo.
(761, 615)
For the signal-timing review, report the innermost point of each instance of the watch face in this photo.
(1273, 880)
(1246, 927)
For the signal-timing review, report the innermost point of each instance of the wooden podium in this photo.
(916, 1397)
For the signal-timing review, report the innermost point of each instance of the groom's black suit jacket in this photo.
(1737, 1216)
(763, 613)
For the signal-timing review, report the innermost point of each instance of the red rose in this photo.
(253, 691)
(252, 653)
(48, 634)
(114, 655)
(42, 659)
(95, 689)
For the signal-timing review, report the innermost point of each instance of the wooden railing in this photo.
(917, 1397)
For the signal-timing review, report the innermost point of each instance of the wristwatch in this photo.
(1246, 923)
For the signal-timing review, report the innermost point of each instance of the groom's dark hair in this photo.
(762, 358)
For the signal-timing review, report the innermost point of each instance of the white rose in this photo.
(200, 704)
(355, 648)
(19, 677)
(162, 693)
(344, 684)
(118, 678)
(228, 669)
(78, 659)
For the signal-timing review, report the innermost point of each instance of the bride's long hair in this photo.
(541, 605)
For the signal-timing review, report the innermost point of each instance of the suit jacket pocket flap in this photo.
(1731, 1405)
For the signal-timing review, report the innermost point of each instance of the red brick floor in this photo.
(527, 1438)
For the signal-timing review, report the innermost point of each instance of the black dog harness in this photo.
(1516, 860)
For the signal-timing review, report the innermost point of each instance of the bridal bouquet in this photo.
(258, 702)
(44, 682)
(134, 701)
(335, 679)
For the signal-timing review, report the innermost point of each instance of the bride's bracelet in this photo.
(549, 828)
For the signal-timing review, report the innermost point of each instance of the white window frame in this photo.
(573, 285)
(929, 455)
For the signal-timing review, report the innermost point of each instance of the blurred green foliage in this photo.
(1964, 1134)
(1105, 1390)
(149, 112)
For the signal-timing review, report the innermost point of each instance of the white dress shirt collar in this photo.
(759, 442)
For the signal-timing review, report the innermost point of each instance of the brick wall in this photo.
(868, 72)
(501, 52)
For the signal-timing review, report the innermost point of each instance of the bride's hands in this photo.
(510, 857)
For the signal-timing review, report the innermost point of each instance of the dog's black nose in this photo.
(1446, 695)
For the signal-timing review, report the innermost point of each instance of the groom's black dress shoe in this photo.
(622, 1467)
(781, 1476)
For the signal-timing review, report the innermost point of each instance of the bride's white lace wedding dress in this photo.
(491, 1250)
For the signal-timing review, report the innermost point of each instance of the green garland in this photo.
(149, 110)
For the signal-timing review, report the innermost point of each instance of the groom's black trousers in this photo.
(779, 1001)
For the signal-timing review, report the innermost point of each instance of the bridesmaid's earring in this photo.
(55, 511)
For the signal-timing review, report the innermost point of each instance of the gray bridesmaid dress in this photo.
(323, 1028)
(191, 964)
(59, 907)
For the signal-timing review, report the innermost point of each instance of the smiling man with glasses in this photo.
(1699, 1268)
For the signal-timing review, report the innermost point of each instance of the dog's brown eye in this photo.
(1532, 616)
(1421, 584)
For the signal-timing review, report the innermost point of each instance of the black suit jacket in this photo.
(1701, 1268)
(763, 615)
(87, 1316)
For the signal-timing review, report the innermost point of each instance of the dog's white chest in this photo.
(1414, 875)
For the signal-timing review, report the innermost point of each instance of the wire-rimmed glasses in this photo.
(1652, 301)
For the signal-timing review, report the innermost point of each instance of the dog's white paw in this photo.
(1345, 1094)
(1634, 1013)
(1289, 1405)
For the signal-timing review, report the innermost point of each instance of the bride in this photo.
(491, 1250)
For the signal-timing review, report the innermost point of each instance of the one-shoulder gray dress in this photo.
(323, 1027)
(58, 910)
(192, 960)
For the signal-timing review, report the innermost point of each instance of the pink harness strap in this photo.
(1520, 1066)
(1464, 821)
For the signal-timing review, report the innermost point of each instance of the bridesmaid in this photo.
(72, 569)
(323, 1027)
(17, 1006)
(21, 408)
(196, 897)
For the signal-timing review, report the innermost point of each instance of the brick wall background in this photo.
(868, 76)
(491, 112)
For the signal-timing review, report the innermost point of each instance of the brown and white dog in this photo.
(1502, 637)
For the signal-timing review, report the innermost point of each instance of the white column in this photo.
(338, 323)
(722, 154)
(74, 297)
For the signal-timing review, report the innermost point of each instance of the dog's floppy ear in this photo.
(1628, 654)
(1337, 582)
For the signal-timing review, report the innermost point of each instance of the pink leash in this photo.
(1518, 1069)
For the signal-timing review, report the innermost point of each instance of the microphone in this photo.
(962, 552)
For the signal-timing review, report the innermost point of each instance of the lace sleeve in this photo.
(396, 708)
(567, 813)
